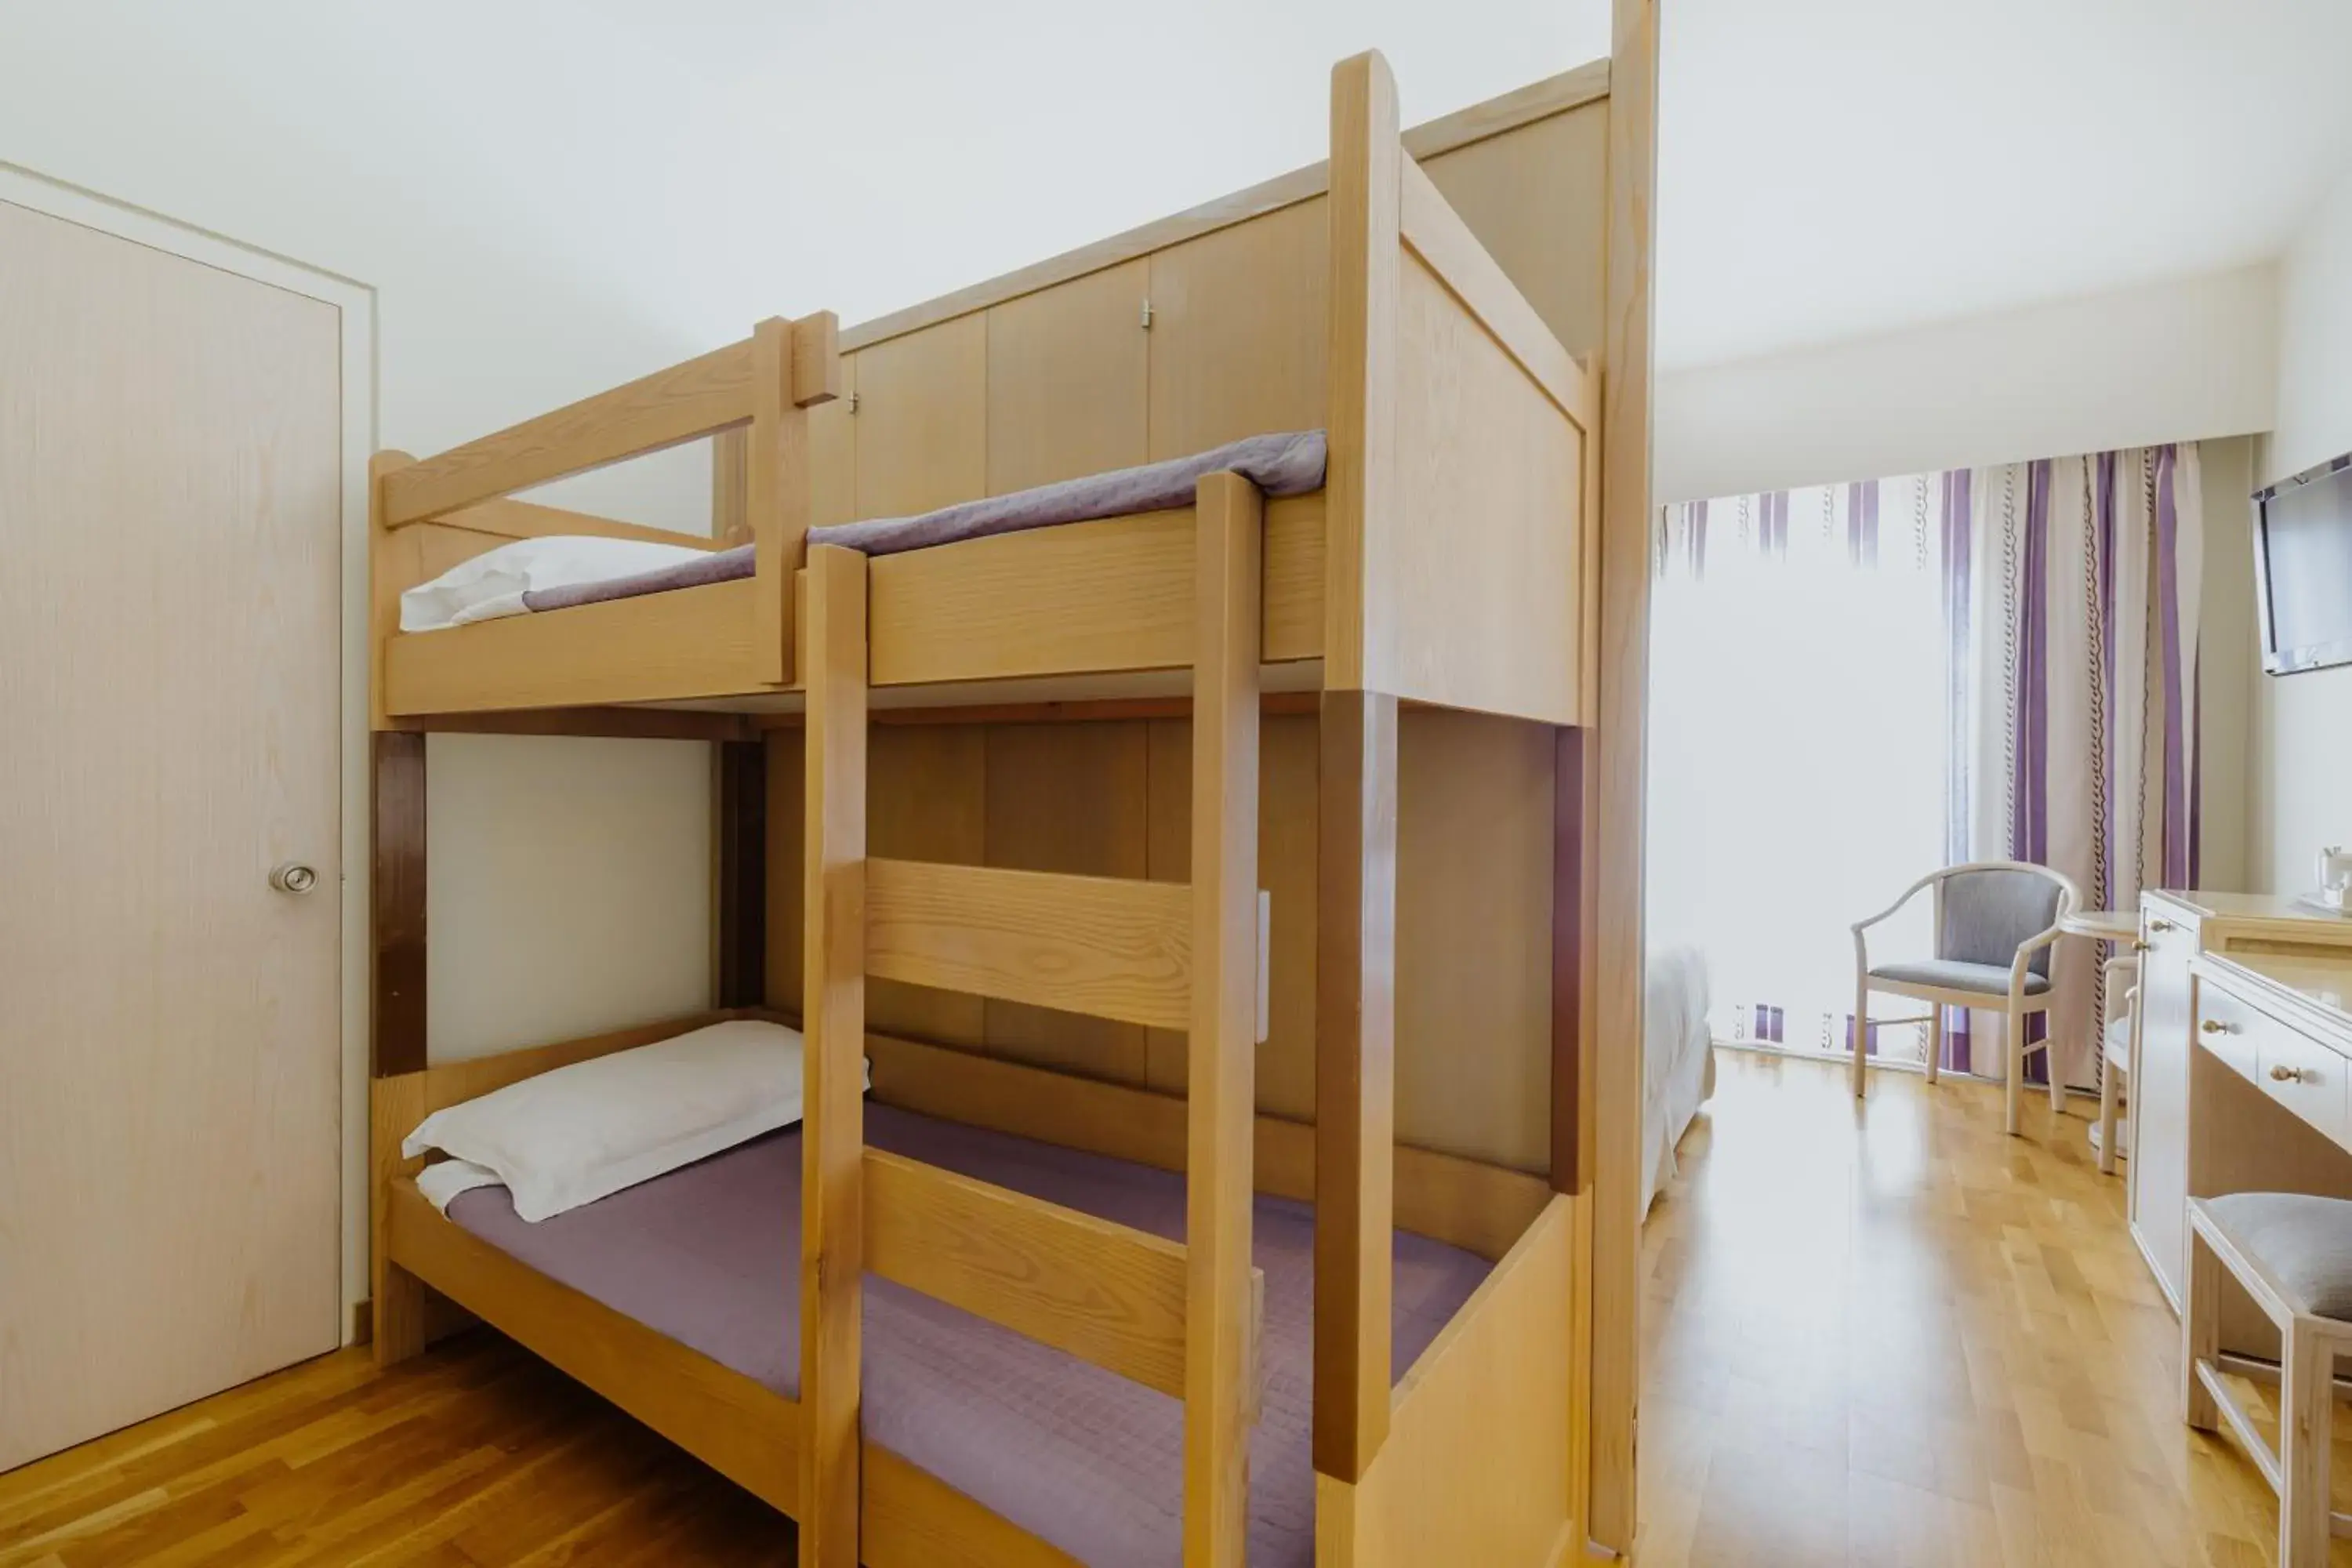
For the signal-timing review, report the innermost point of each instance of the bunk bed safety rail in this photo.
(714, 392)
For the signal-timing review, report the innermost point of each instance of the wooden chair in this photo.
(2292, 1253)
(1995, 921)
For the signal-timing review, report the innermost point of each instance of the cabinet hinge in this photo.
(1146, 315)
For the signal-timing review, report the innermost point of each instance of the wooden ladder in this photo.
(1180, 1318)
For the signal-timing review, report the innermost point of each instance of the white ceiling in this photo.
(1829, 168)
(1833, 168)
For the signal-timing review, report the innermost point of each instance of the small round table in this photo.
(2116, 926)
(2103, 925)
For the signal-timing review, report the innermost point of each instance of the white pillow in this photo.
(492, 584)
(584, 1132)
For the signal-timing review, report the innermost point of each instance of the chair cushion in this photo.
(1988, 915)
(1955, 974)
(2304, 1241)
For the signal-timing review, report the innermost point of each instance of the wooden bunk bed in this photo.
(1446, 583)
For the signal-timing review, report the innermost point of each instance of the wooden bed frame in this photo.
(1456, 560)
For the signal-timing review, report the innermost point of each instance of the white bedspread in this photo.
(1678, 1057)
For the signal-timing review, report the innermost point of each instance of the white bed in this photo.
(1677, 1058)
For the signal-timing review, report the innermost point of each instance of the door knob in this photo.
(2159, 925)
(294, 877)
(2284, 1074)
(2216, 1026)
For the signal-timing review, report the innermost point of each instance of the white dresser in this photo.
(2201, 1121)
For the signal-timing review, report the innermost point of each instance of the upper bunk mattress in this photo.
(1083, 1459)
(1284, 465)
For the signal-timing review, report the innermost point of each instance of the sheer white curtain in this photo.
(1800, 722)
(1853, 685)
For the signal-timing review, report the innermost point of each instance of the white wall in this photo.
(2182, 360)
(2303, 787)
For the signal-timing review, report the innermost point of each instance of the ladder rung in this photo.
(1099, 945)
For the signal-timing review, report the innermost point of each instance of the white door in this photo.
(169, 559)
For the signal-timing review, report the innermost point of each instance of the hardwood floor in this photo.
(1896, 1337)
(477, 1456)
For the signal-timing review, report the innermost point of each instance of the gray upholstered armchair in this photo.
(1995, 922)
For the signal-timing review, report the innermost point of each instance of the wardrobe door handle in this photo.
(2284, 1074)
(2216, 1026)
(2159, 925)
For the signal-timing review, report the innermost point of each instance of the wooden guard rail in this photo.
(717, 391)
(1180, 1318)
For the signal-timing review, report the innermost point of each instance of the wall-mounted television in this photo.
(2303, 568)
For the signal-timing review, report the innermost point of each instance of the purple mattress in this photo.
(1279, 465)
(1080, 1456)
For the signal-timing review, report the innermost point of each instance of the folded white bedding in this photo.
(493, 583)
(581, 1132)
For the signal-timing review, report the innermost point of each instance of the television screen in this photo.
(2302, 552)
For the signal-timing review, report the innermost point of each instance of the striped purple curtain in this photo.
(2030, 629)
(2081, 741)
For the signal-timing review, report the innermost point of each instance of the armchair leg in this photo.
(1861, 1030)
(2013, 1068)
(1935, 1039)
(2050, 1061)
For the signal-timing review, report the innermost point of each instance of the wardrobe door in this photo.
(1239, 323)
(170, 680)
(922, 419)
(1065, 380)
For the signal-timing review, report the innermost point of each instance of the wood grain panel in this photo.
(833, 1022)
(1475, 1469)
(1238, 332)
(1068, 798)
(786, 923)
(508, 519)
(397, 892)
(913, 1519)
(1067, 380)
(1360, 510)
(1481, 1209)
(689, 642)
(1106, 947)
(1113, 595)
(1474, 573)
(1474, 899)
(1286, 871)
(171, 493)
(1104, 1292)
(1220, 1387)
(833, 453)
(1354, 1078)
(1452, 253)
(1536, 196)
(922, 419)
(1614, 787)
(739, 876)
(927, 799)
(666, 408)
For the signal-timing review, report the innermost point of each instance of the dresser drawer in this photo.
(2230, 1028)
(2303, 1075)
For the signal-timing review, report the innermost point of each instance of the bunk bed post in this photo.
(1355, 1003)
(1220, 1356)
(396, 1048)
(739, 886)
(795, 365)
(1614, 777)
(833, 1023)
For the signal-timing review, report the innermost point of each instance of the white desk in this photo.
(2197, 1125)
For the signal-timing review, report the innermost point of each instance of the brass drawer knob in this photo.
(2159, 924)
(2217, 1026)
(2284, 1074)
